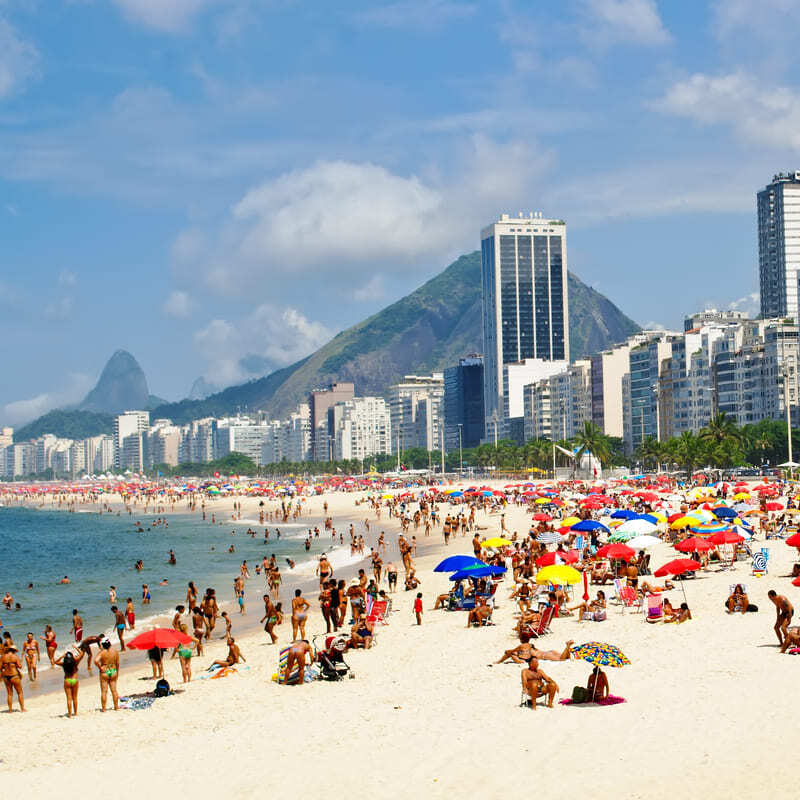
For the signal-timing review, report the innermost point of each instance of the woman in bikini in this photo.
(199, 628)
(300, 608)
(31, 649)
(69, 664)
(185, 655)
(50, 643)
(191, 597)
(107, 663)
(595, 610)
(11, 670)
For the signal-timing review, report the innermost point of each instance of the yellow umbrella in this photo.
(558, 574)
(542, 500)
(495, 541)
(741, 496)
(387, 496)
(570, 521)
(683, 522)
(660, 517)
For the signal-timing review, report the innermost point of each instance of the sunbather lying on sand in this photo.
(524, 652)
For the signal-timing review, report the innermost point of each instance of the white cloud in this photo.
(371, 291)
(422, 15)
(733, 15)
(67, 278)
(635, 21)
(170, 16)
(19, 412)
(178, 305)
(19, 60)
(750, 304)
(269, 335)
(757, 112)
(59, 310)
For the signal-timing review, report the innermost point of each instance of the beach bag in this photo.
(162, 688)
(580, 694)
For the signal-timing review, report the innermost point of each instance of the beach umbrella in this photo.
(558, 574)
(644, 541)
(616, 551)
(679, 566)
(456, 562)
(542, 517)
(694, 545)
(495, 542)
(555, 557)
(682, 522)
(601, 654)
(636, 526)
(707, 528)
(773, 507)
(164, 638)
(548, 537)
(622, 536)
(477, 571)
(723, 512)
(624, 513)
(570, 521)
(726, 537)
(793, 540)
(587, 525)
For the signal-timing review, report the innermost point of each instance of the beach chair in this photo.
(627, 595)
(376, 614)
(544, 623)
(760, 559)
(654, 610)
(489, 596)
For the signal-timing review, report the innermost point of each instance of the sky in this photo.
(219, 186)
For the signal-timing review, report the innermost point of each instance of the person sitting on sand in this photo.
(738, 602)
(601, 573)
(234, 655)
(681, 615)
(361, 633)
(536, 683)
(481, 614)
(791, 639)
(597, 685)
(594, 610)
(525, 651)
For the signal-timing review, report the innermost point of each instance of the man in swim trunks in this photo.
(536, 683)
(130, 616)
(234, 655)
(119, 624)
(145, 595)
(77, 625)
(86, 647)
(785, 612)
(107, 663)
(296, 657)
(11, 671)
(324, 570)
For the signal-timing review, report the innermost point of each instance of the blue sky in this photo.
(199, 181)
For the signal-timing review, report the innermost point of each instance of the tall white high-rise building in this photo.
(130, 439)
(779, 246)
(417, 409)
(525, 303)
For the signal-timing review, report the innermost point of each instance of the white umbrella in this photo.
(636, 526)
(643, 542)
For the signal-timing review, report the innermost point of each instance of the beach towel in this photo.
(136, 703)
(611, 700)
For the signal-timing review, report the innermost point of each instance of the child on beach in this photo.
(418, 608)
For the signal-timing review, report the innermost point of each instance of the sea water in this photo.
(97, 551)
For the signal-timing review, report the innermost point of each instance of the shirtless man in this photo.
(536, 683)
(119, 624)
(324, 570)
(785, 612)
(77, 626)
(234, 655)
(11, 670)
(107, 663)
(525, 651)
(296, 657)
(86, 647)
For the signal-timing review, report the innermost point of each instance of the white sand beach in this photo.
(708, 705)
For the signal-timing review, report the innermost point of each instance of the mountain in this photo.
(122, 386)
(201, 389)
(69, 424)
(427, 330)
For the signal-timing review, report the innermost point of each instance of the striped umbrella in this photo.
(548, 537)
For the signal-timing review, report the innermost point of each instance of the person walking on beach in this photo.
(785, 612)
(418, 608)
(77, 625)
(271, 618)
(69, 664)
(31, 650)
(11, 670)
(300, 608)
(50, 643)
(107, 663)
(119, 623)
(199, 628)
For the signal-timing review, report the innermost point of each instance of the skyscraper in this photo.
(319, 402)
(525, 304)
(463, 403)
(779, 245)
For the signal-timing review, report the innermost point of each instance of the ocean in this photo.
(98, 551)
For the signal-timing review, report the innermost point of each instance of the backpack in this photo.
(162, 688)
(580, 694)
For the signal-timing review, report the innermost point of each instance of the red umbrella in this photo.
(773, 506)
(159, 637)
(794, 540)
(542, 517)
(694, 545)
(616, 551)
(557, 557)
(726, 537)
(796, 582)
(678, 567)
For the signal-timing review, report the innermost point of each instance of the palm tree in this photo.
(591, 439)
(720, 429)
(650, 451)
(688, 450)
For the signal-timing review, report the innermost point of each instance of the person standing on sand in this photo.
(785, 612)
(300, 608)
(50, 643)
(11, 670)
(31, 649)
(418, 608)
(69, 664)
(107, 663)
(77, 625)
(119, 624)
(296, 657)
(271, 618)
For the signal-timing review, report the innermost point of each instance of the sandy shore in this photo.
(707, 704)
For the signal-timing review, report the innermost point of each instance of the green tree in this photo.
(590, 438)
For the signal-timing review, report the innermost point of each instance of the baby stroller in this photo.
(332, 665)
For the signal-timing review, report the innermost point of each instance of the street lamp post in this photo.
(460, 451)
(788, 414)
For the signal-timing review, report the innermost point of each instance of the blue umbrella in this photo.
(456, 494)
(477, 572)
(457, 562)
(589, 525)
(723, 512)
(648, 517)
(624, 513)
